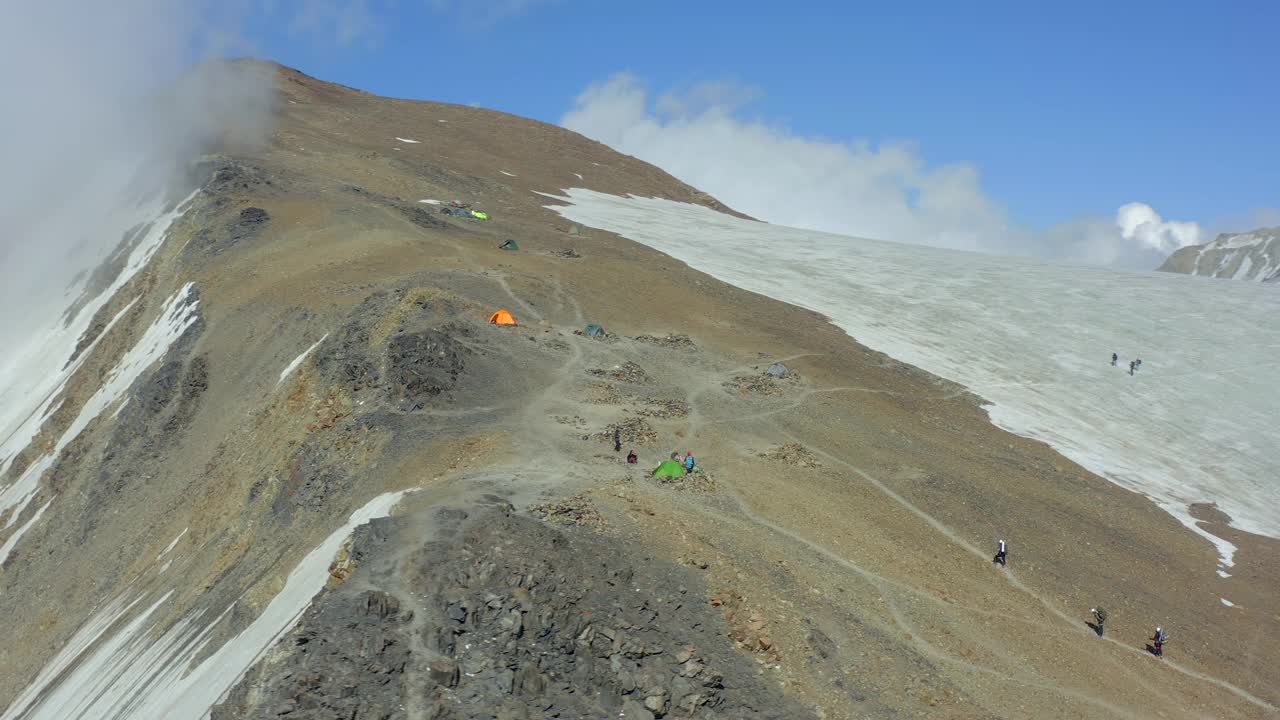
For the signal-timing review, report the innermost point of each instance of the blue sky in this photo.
(1066, 111)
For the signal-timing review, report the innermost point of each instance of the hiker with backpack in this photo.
(1114, 358)
(1158, 640)
(631, 458)
(1100, 616)
(1002, 555)
(688, 461)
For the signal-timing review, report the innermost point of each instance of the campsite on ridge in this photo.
(318, 448)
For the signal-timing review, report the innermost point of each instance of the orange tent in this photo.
(502, 317)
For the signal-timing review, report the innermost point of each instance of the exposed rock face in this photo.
(1253, 256)
(472, 625)
(422, 366)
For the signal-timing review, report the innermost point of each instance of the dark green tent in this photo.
(509, 245)
(594, 330)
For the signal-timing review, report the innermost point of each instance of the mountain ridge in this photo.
(308, 344)
(1251, 256)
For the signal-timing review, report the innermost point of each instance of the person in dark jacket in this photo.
(1114, 359)
(631, 458)
(1158, 640)
(1100, 617)
(1002, 555)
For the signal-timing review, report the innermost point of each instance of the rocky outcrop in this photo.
(471, 624)
(1253, 256)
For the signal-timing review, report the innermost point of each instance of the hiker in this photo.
(1137, 364)
(1114, 358)
(1157, 642)
(1002, 556)
(1100, 616)
(617, 439)
(688, 461)
(1132, 364)
(631, 458)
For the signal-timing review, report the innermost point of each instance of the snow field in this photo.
(130, 670)
(1196, 424)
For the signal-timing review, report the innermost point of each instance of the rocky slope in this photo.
(470, 625)
(1252, 256)
(304, 354)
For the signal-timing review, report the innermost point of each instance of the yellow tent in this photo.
(502, 317)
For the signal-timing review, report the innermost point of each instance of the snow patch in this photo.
(431, 202)
(30, 392)
(1199, 426)
(1242, 272)
(407, 140)
(1242, 240)
(173, 544)
(577, 176)
(138, 673)
(84, 638)
(298, 360)
(12, 542)
(504, 172)
(1223, 573)
(28, 387)
(177, 314)
(1227, 602)
(15, 496)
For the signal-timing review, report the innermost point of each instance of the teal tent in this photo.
(594, 330)
(509, 245)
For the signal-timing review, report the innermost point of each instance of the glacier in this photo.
(1196, 424)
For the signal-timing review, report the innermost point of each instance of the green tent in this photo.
(669, 468)
(479, 215)
(509, 245)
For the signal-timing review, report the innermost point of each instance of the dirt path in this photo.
(1075, 625)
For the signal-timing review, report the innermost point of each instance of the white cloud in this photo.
(93, 117)
(881, 190)
(1141, 223)
(88, 122)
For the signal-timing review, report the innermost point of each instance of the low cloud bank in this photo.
(105, 105)
(885, 190)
